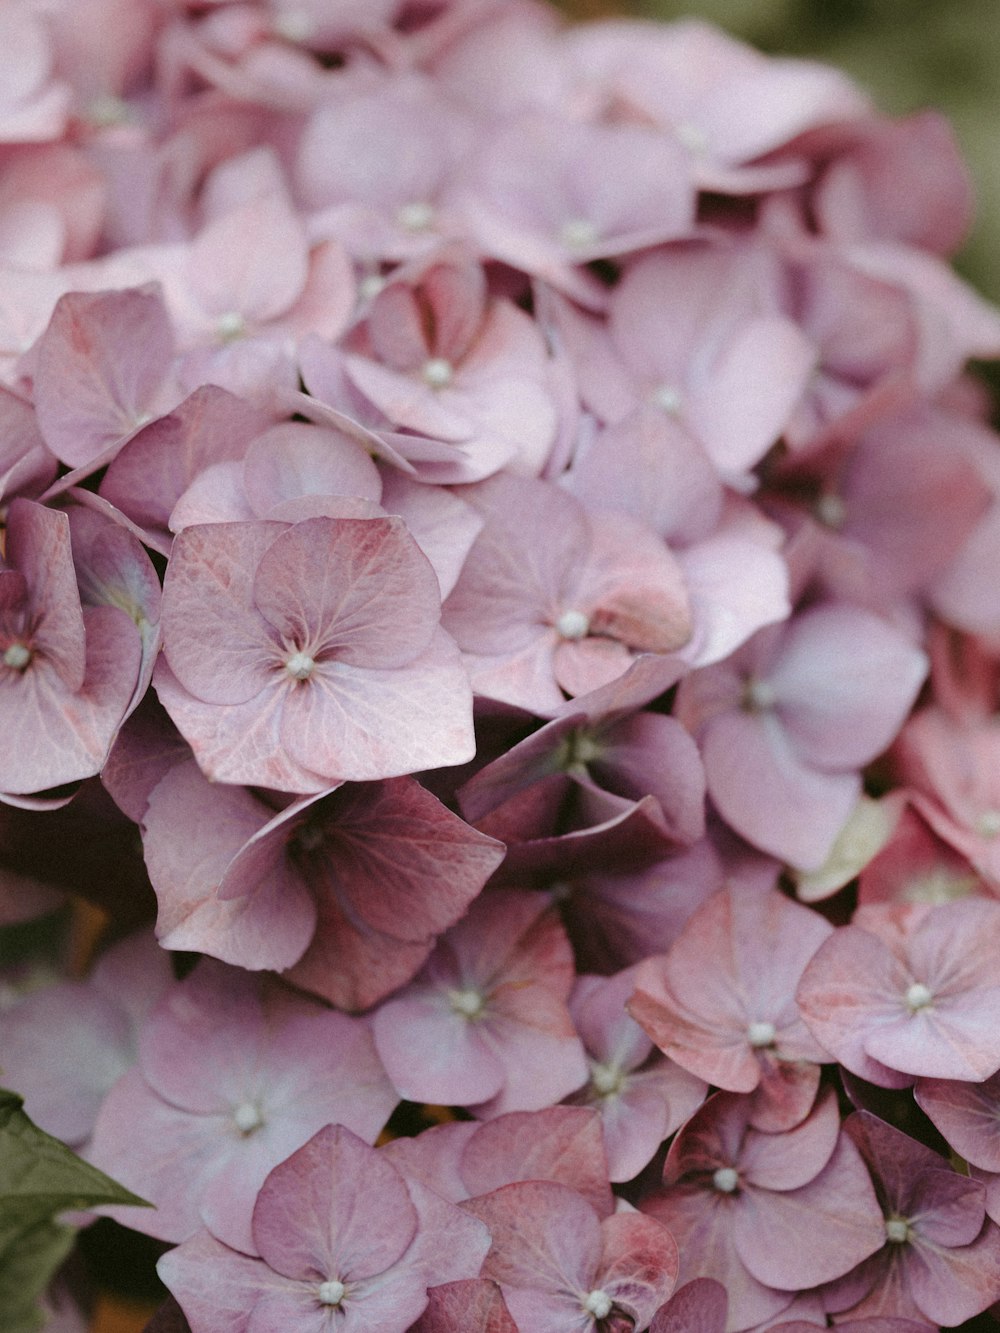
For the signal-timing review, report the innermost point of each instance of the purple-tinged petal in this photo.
(639, 1263)
(360, 591)
(560, 1143)
(457, 1307)
(546, 1237)
(697, 1307)
(314, 1214)
(38, 547)
(100, 365)
(967, 1114)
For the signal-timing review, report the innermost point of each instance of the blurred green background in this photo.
(908, 54)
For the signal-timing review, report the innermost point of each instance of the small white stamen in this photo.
(667, 398)
(573, 625)
(831, 510)
(760, 1035)
(726, 1179)
(897, 1230)
(606, 1080)
(918, 997)
(300, 665)
(370, 286)
(247, 1117)
(106, 110)
(578, 234)
(417, 216)
(758, 696)
(294, 25)
(229, 326)
(18, 655)
(332, 1292)
(598, 1304)
(438, 372)
(693, 139)
(467, 1002)
(988, 824)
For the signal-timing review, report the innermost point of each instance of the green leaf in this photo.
(39, 1176)
(27, 1269)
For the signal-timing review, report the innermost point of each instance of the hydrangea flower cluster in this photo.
(499, 560)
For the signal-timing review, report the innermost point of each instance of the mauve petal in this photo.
(215, 639)
(217, 495)
(806, 1236)
(768, 795)
(215, 1286)
(158, 464)
(238, 743)
(360, 590)
(639, 1263)
(950, 1286)
(948, 1208)
(967, 1114)
(442, 525)
(257, 282)
(701, 1222)
(334, 1208)
(433, 1054)
(449, 1244)
(100, 364)
(843, 684)
(38, 547)
(455, 1307)
(163, 1154)
(361, 723)
(749, 391)
(560, 1143)
(269, 926)
(790, 1160)
(63, 1047)
(546, 1237)
(295, 459)
(53, 737)
(698, 1307)
(651, 754)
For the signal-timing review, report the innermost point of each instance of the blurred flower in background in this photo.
(909, 54)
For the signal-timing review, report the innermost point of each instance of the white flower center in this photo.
(667, 398)
(18, 655)
(417, 216)
(468, 1002)
(598, 1304)
(761, 1034)
(229, 326)
(897, 1230)
(578, 234)
(831, 511)
(606, 1080)
(294, 25)
(693, 139)
(918, 996)
(438, 372)
(106, 110)
(758, 696)
(726, 1179)
(332, 1292)
(573, 625)
(300, 666)
(247, 1117)
(988, 824)
(370, 286)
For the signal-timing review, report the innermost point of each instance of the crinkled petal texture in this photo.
(722, 1001)
(943, 1264)
(910, 988)
(554, 1258)
(485, 1023)
(338, 1231)
(320, 644)
(67, 675)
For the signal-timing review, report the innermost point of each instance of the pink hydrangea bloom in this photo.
(304, 654)
(336, 1228)
(485, 1024)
